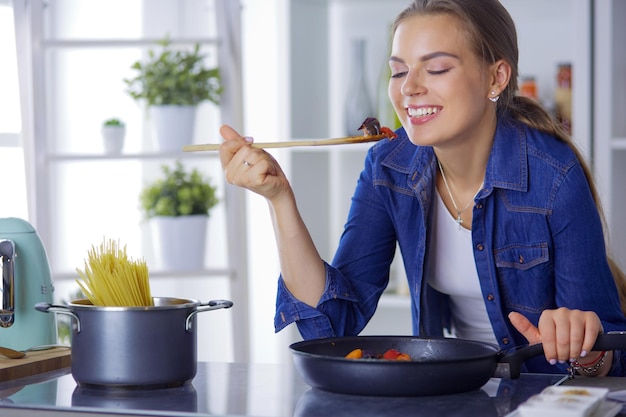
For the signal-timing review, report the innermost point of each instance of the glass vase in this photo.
(358, 104)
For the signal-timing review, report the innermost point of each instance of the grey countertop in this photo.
(260, 390)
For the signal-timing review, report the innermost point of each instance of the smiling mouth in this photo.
(422, 111)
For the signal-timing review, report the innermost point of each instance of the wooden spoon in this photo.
(293, 143)
(18, 354)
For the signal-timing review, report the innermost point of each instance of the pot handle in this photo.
(510, 366)
(55, 308)
(211, 305)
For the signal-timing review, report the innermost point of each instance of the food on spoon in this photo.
(388, 132)
(390, 354)
(371, 127)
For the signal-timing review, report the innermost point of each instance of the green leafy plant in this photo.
(113, 122)
(174, 78)
(178, 193)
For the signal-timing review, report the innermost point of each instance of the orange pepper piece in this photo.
(355, 354)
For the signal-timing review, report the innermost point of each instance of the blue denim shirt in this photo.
(536, 233)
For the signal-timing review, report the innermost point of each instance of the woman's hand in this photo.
(566, 335)
(253, 168)
(250, 167)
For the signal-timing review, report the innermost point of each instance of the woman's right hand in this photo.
(300, 264)
(249, 167)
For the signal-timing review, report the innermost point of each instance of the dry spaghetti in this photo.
(111, 278)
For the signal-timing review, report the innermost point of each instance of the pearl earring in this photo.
(495, 98)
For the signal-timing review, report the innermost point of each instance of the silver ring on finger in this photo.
(248, 164)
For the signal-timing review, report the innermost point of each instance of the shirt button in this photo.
(490, 297)
(505, 340)
(480, 246)
(479, 205)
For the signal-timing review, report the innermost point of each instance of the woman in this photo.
(490, 202)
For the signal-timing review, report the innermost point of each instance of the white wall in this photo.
(267, 115)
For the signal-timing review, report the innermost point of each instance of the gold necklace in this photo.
(459, 220)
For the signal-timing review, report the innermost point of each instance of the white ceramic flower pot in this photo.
(180, 242)
(113, 139)
(173, 126)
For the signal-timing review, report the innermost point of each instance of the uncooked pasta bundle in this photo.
(112, 279)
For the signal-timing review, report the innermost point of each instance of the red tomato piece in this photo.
(388, 132)
(391, 354)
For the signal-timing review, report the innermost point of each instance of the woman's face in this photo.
(438, 87)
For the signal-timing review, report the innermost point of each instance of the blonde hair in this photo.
(493, 36)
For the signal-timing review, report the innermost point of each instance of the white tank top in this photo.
(453, 272)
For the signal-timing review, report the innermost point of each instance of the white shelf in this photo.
(122, 43)
(211, 272)
(618, 144)
(68, 157)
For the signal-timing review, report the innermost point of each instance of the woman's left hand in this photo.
(565, 334)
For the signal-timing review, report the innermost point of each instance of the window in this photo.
(11, 153)
(83, 50)
(86, 59)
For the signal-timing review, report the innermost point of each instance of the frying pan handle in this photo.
(54, 308)
(510, 365)
(611, 341)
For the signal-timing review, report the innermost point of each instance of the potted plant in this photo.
(178, 205)
(172, 83)
(113, 132)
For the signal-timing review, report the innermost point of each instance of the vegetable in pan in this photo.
(390, 354)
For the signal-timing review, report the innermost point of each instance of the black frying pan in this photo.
(439, 365)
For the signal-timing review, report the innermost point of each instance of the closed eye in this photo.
(439, 72)
(399, 74)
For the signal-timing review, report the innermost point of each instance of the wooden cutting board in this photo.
(34, 363)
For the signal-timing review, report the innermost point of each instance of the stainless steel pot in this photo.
(147, 347)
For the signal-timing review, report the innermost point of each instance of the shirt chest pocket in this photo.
(522, 257)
